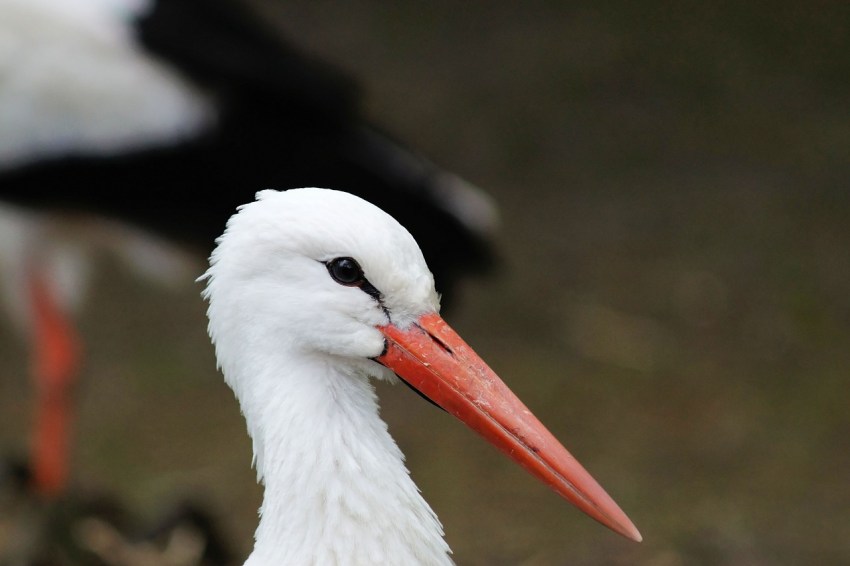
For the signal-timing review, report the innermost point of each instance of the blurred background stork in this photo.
(673, 182)
(137, 128)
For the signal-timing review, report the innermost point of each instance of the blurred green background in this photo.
(673, 296)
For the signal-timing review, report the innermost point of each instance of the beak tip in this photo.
(624, 526)
(628, 530)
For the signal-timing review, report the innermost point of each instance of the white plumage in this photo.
(298, 343)
(75, 83)
(296, 348)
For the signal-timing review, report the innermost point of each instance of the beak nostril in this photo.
(442, 344)
(437, 340)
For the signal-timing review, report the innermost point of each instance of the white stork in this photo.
(311, 293)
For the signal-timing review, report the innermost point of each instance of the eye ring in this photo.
(346, 271)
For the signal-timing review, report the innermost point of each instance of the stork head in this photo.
(322, 272)
(316, 270)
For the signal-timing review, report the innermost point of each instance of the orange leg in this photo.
(56, 355)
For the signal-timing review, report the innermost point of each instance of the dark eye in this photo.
(345, 271)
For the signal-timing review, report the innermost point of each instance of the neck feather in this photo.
(336, 488)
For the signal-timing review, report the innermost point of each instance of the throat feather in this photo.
(336, 487)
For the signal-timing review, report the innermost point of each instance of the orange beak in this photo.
(435, 361)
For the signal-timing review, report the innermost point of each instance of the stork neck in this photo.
(336, 488)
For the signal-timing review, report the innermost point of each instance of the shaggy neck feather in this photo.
(336, 488)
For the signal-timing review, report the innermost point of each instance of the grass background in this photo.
(672, 298)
